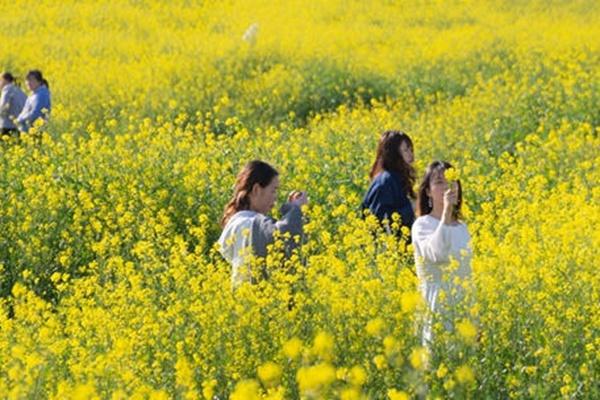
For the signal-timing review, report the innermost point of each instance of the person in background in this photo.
(247, 228)
(392, 180)
(37, 105)
(440, 237)
(12, 101)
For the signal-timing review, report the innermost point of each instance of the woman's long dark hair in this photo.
(424, 206)
(389, 158)
(254, 172)
(37, 75)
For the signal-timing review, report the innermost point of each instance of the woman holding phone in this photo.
(247, 228)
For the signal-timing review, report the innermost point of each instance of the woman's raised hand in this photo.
(450, 201)
(298, 198)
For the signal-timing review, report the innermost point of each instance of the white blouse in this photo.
(235, 244)
(435, 245)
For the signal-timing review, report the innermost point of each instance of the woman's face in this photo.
(437, 187)
(32, 83)
(262, 199)
(406, 152)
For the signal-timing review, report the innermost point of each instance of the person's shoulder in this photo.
(10, 90)
(245, 214)
(240, 218)
(424, 221)
(462, 225)
(457, 225)
(393, 178)
(383, 178)
(386, 175)
(377, 183)
(238, 224)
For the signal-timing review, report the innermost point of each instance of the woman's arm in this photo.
(434, 244)
(263, 229)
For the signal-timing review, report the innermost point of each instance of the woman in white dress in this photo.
(442, 248)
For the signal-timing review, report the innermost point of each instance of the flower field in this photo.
(110, 283)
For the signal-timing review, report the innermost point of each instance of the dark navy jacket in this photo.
(386, 196)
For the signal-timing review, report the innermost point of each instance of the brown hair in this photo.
(423, 205)
(389, 158)
(8, 77)
(254, 172)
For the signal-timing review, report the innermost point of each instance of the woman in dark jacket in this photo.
(392, 180)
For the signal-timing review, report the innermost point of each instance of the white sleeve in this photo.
(4, 104)
(434, 245)
(26, 111)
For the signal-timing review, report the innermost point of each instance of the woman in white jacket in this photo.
(442, 247)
